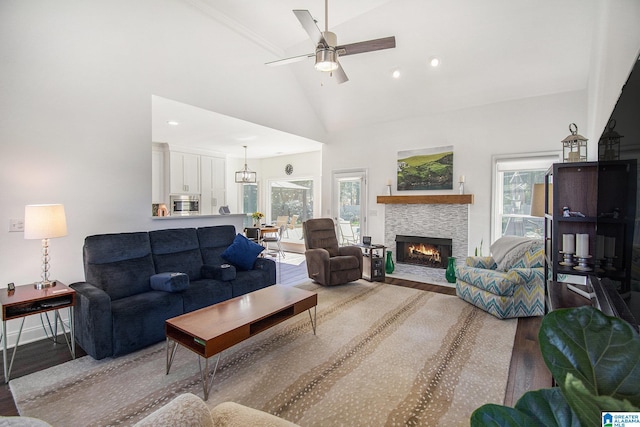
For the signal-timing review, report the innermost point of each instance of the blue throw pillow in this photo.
(170, 282)
(242, 253)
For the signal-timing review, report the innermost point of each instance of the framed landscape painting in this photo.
(426, 169)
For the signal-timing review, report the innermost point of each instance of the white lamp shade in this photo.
(44, 221)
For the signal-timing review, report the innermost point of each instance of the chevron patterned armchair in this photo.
(510, 283)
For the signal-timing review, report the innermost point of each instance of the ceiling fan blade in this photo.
(367, 46)
(309, 25)
(340, 75)
(291, 60)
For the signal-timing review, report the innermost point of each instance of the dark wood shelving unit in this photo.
(601, 191)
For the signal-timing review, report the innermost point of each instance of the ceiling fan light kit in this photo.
(327, 49)
(326, 60)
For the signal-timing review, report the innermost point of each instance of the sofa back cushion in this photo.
(119, 264)
(517, 252)
(532, 258)
(176, 250)
(213, 241)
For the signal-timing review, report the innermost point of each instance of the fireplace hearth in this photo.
(423, 251)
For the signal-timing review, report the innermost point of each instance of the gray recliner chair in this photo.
(328, 263)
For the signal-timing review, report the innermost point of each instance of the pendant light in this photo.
(246, 176)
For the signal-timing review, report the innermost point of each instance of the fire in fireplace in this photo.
(425, 251)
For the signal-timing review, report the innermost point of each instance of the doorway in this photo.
(349, 205)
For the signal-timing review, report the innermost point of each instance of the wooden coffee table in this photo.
(211, 330)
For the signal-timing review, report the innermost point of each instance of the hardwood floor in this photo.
(527, 370)
(30, 358)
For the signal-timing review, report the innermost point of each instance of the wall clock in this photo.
(288, 169)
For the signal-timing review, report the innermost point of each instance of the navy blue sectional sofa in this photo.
(117, 309)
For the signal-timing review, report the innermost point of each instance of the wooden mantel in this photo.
(449, 199)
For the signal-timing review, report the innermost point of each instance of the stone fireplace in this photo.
(423, 251)
(436, 216)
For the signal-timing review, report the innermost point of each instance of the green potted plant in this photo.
(594, 359)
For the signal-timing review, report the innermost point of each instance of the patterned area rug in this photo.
(383, 355)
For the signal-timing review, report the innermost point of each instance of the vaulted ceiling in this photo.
(490, 51)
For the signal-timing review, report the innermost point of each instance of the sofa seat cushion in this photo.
(249, 281)
(224, 272)
(527, 300)
(242, 253)
(169, 282)
(496, 282)
(132, 330)
(203, 293)
(339, 263)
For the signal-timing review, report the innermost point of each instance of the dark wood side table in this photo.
(373, 259)
(26, 300)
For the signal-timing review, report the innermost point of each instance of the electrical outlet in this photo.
(16, 225)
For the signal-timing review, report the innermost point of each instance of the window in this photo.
(292, 199)
(514, 178)
(249, 202)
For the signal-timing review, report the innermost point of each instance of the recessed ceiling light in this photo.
(173, 123)
(434, 62)
(396, 74)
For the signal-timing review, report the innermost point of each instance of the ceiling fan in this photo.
(327, 48)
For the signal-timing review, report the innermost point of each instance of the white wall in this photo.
(526, 125)
(76, 80)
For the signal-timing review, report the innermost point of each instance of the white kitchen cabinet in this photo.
(213, 184)
(184, 173)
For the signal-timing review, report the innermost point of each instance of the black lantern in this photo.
(609, 144)
(574, 146)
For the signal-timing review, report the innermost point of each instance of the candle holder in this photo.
(598, 265)
(582, 263)
(461, 187)
(608, 263)
(567, 259)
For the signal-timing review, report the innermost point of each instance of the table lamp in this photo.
(44, 222)
(537, 200)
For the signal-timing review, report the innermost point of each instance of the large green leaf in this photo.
(545, 407)
(601, 352)
(588, 406)
(548, 407)
(500, 416)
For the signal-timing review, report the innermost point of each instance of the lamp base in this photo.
(44, 284)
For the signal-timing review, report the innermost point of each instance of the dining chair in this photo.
(275, 238)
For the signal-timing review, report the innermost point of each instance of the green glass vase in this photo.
(389, 265)
(450, 274)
